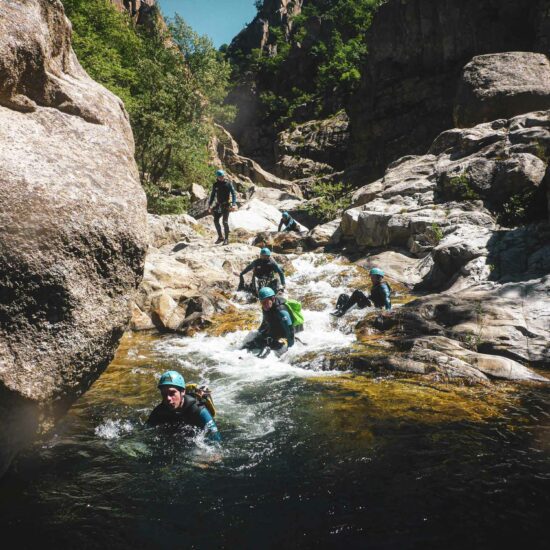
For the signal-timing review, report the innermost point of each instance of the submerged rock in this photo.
(73, 218)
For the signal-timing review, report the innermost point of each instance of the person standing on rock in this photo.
(224, 194)
(380, 295)
(179, 409)
(263, 270)
(289, 222)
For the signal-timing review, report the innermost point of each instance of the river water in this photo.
(311, 457)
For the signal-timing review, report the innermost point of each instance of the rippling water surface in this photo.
(311, 457)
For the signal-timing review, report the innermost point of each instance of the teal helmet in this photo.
(172, 378)
(220, 173)
(265, 252)
(266, 292)
(376, 271)
(286, 215)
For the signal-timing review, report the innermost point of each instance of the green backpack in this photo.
(295, 309)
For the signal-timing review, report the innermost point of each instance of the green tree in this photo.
(173, 83)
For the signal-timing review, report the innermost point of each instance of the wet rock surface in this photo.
(73, 220)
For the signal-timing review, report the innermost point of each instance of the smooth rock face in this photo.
(73, 219)
(510, 320)
(502, 85)
(410, 75)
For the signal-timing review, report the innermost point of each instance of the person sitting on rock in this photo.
(224, 194)
(177, 408)
(263, 270)
(276, 327)
(380, 295)
(289, 222)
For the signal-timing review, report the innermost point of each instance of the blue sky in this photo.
(219, 19)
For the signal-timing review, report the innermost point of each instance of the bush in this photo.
(334, 198)
(459, 188)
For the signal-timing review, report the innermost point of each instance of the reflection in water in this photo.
(310, 457)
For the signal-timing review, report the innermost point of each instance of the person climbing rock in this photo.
(380, 295)
(277, 324)
(177, 408)
(289, 222)
(224, 194)
(263, 270)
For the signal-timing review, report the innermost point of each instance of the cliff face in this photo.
(417, 49)
(73, 219)
(141, 11)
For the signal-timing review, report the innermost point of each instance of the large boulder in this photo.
(184, 284)
(502, 85)
(417, 50)
(73, 218)
(510, 320)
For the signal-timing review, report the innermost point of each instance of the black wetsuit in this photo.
(224, 193)
(380, 295)
(191, 413)
(289, 223)
(265, 270)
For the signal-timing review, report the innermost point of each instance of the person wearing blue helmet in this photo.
(276, 325)
(179, 409)
(380, 295)
(224, 194)
(289, 222)
(263, 270)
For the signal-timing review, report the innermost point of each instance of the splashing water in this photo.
(310, 457)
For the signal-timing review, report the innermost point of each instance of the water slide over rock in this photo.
(73, 219)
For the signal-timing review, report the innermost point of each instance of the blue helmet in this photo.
(376, 271)
(266, 292)
(220, 173)
(286, 215)
(172, 378)
(265, 252)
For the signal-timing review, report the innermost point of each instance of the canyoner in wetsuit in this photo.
(264, 269)
(289, 222)
(277, 329)
(224, 194)
(179, 409)
(380, 295)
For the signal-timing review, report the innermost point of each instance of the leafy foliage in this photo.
(337, 51)
(332, 200)
(173, 83)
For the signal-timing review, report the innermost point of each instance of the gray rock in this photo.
(502, 85)
(316, 147)
(198, 192)
(409, 79)
(73, 218)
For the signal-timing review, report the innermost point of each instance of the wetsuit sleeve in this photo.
(281, 273)
(248, 268)
(233, 194)
(212, 195)
(286, 322)
(208, 424)
(280, 224)
(387, 298)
